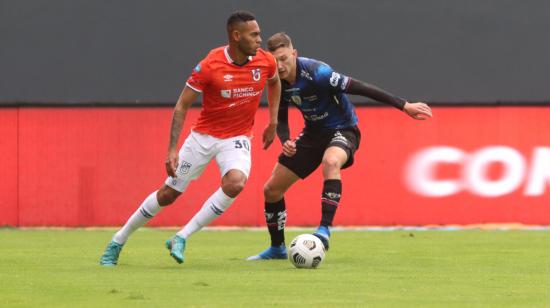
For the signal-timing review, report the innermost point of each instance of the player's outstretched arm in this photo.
(417, 111)
(187, 97)
(358, 87)
(273, 98)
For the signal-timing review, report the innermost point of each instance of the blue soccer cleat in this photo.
(271, 253)
(110, 256)
(323, 233)
(176, 245)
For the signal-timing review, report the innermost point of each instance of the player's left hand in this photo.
(418, 111)
(171, 163)
(269, 135)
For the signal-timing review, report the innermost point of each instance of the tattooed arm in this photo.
(273, 98)
(187, 97)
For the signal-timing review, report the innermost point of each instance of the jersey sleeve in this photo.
(272, 65)
(326, 77)
(199, 77)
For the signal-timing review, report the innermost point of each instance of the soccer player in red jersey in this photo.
(231, 80)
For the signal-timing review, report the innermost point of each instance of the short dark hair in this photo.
(278, 40)
(238, 17)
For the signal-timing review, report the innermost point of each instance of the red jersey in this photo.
(230, 93)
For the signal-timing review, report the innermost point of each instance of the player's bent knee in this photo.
(167, 195)
(268, 191)
(232, 189)
(331, 163)
(233, 183)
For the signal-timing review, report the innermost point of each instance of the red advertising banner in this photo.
(9, 203)
(94, 166)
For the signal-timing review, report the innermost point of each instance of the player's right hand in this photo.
(289, 148)
(418, 111)
(171, 163)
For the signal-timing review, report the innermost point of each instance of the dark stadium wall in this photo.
(432, 50)
(94, 166)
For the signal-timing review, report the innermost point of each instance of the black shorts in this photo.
(311, 146)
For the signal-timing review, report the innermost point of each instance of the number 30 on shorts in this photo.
(239, 144)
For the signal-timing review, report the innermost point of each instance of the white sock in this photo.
(147, 210)
(211, 209)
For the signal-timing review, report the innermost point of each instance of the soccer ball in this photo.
(306, 251)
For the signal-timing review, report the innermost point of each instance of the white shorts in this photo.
(199, 149)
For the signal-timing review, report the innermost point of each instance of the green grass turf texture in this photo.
(59, 268)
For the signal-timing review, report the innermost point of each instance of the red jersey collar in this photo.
(228, 57)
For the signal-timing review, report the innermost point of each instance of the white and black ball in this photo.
(306, 251)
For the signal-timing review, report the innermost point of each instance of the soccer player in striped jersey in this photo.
(330, 137)
(231, 80)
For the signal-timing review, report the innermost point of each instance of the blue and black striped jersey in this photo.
(319, 94)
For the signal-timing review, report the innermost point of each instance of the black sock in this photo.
(332, 191)
(275, 217)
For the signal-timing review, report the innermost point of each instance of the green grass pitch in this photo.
(59, 268)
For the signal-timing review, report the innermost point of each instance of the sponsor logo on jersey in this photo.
(227, 77)
(240, 93)
(296, 99)
(334, 79)
(316, 117)
(226, 93)
(305, 74)
(256, 74)
(245, 92)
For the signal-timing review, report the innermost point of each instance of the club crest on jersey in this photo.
(296, 99)
(226, 93)
(256, 74)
